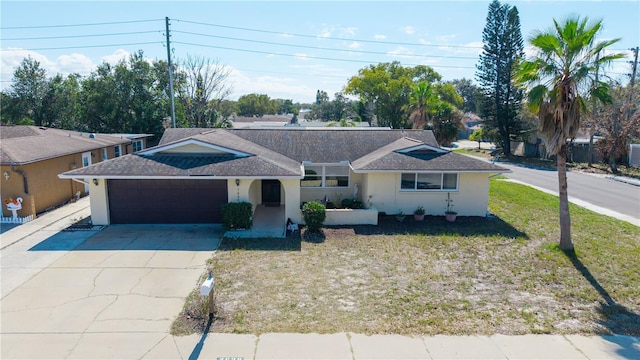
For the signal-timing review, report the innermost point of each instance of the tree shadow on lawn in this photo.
(616, 318)
(437, 225)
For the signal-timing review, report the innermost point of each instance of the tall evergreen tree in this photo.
(503, 46)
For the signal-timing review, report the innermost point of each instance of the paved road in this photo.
(591, 191)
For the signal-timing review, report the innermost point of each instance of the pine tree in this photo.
(503, 46)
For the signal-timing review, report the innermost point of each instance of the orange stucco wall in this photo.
(45, 189)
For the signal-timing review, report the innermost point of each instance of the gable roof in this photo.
(235, 158)
(265, 153)
(28, 144)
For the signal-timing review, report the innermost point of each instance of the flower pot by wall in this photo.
(451, 217)
(418, 217)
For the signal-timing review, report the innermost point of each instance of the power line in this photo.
(326, 37)
(78, 25)
(307, 56)
(319, 48)
(81, 36)
(81, 47)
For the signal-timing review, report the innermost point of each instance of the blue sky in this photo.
(284, 49)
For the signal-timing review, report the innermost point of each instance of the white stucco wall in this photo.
(352, 217)
(470, 200)
(291, 193)
(99, 202)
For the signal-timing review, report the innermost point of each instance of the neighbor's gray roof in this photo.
(27, 144)
(279, 153)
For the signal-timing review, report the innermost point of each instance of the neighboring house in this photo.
(192, 172)
(138, 142)
(31, 158)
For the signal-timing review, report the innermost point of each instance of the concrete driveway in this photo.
(104, 294)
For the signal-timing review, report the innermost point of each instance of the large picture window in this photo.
(325, 176)
(428, 182)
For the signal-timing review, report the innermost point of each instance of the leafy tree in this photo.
(562, 68)
(471, 95)
(202, 87)
(387, 86)
(503, 46)
(446, 122)
(476, 136)
(28, 89)
(255, 105)
(321, 96)
(335, 110)
(128, 97)
(618, 123)
(61, 103)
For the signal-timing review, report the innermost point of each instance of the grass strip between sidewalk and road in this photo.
(475, 276)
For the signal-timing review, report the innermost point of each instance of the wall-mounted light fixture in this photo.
(6, 175)
(95, 182)
(237, 182)
(93, 155)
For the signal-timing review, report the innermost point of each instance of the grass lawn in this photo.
(476, 276)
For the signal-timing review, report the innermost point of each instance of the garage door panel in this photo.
(166, 201)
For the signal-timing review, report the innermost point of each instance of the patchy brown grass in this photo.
(476, 276)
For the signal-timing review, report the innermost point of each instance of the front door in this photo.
(271, 192)
(86, 161)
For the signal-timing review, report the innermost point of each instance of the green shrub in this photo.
(351, 204)
(237, 215)
(314, 214)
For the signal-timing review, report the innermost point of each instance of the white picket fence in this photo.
(17, 220)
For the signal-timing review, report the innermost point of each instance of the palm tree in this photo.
(421, 101)
(344, 122)
(556, 76)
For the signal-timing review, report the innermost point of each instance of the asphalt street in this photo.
(588, 190)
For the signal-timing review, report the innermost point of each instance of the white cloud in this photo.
(379, 37)
(354, 45)
(402, 53)
(117, 55)
(74, 63)
(337, 31)
(276, 87)
(301, 56)
(409, 30)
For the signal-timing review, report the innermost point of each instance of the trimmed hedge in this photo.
(237, 215)
(314, 215)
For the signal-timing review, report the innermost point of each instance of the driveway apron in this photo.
(114, 295)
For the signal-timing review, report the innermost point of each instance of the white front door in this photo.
(86, 161)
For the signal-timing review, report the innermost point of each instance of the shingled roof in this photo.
(28, 144)
(280, 153)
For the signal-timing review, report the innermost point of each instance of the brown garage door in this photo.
(166, 201)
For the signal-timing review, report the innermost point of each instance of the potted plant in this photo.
(400, 216)
(418, 214)
(450, 215)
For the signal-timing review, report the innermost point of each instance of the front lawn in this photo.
(476, 276)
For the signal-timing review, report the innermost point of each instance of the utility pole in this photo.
(592, 130)
(634, 66)
(173, 105)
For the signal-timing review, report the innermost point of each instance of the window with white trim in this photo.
(325, 176)
(117, 150)
(428, 182)
(104, 154)
(137, 145)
